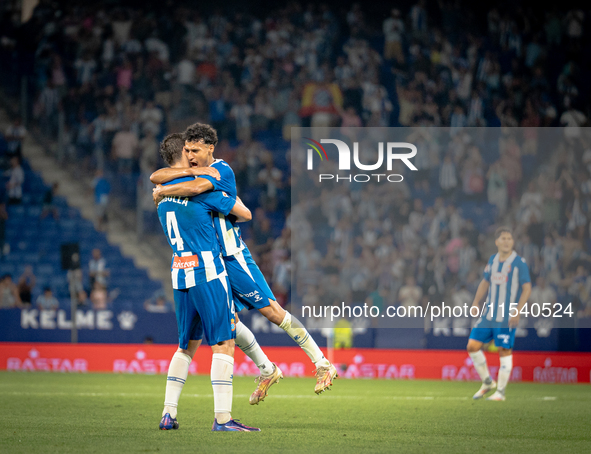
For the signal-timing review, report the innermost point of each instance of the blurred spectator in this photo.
(467, 258)
(531, 204)
(393, 28)
(26, 284)
(102, 189)
(410, 294)
(241, 113)
(99, 297)
(151, 118)
(46, 301)
(49, 207)
(4, 246)
(9, 296)
(462, 297)
(16, 179)
(76, 286)
(15, 134)
(530, 253)
(125, 148)
(97, 269)
(158, 303)
(448, 179)
(497, 187)
(262, 233)
(542, 294)
(149, 154)
(350, 119)
(271, 178)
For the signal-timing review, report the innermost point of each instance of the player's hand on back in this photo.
(156, 194)
(210, 171)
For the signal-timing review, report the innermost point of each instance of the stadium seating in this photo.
(37, 242)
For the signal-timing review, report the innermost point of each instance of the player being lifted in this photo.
(507, 285)
(249, 288)
(201, 292)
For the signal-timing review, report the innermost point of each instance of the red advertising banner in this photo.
(543, 367)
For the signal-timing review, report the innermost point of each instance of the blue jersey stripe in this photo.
(506, 281)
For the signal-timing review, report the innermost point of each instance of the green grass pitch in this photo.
(63, 413)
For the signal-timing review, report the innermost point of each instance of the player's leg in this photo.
(190, 334)
(178, 370)
(219, 326)
(246, 342)
(271, 309)
(245, 339)
(504, 340)
(241, 282)
(222, 367)
(254, 292)
(270, 372)
(478, 336)
(325, 371)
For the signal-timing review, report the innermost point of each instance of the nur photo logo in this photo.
(387, 153)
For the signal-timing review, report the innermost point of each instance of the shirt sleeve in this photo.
(524, 276)
(227, 181)
(219, 201)
(488, 270)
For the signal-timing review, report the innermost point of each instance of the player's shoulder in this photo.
(221, 165)
(520, 260)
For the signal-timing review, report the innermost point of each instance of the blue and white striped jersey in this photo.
(227, 230)
(506, 280)
(189, 229)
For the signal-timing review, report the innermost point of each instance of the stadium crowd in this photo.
(111, 82)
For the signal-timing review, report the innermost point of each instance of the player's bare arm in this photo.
(242, 213)
(184, 189)
(525, 293)
(167, 174)
(480, 292)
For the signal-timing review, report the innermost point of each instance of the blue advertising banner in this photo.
(127, 327)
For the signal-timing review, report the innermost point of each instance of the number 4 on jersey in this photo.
(173, 227)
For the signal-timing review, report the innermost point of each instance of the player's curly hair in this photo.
(171, 148)
(201, 132)
(501, 230)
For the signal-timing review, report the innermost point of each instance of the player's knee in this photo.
(226, 347)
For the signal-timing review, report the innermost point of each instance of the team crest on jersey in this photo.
(233, 325)
(508, 268)
(225, 195)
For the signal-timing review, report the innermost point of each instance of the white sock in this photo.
(177, 375)
(504, 373)
(479, 361)
(246, 342)
(300, 335)
(222, 369)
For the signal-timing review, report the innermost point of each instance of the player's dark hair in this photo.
(171, 148)
(501, 230)
(201, 132)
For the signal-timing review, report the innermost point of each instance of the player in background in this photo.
(507, 285)
(249, 287)
(203, 303)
